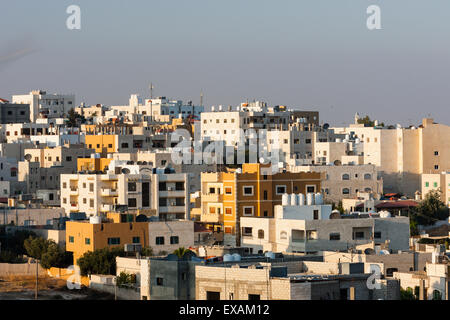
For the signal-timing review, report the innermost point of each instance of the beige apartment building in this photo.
(346, 181)
(402, 155)
(439, 182)
(140, 188)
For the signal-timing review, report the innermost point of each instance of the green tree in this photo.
(73, 118)
(368, 122)
(36, 247)
(340, 207)
(181, 252)
(55, 257)
(101, 261)
(147, 251)
(125, 279)
(431, 209)
(407, 294)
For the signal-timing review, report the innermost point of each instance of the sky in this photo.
(308, 55)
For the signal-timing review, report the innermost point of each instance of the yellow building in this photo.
(102, 142)
(254, 192)
(83, 236)
(92, 164)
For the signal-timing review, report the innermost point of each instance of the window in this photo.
(228, 211)
(345, 176)
(87, 241)
(113, 241)
(436, 167)
(131, 186)
(367, 176)
(346, 191)
(174, 240)
(212, 210)
(436, 153)
(283, 235)
(68, 158)
(132, 203)
(91, 187)
(254, 297)
(377, 235)
(159, 240)
(266, 213)
(136, 240)
(71, 239)
(246, 231)
(310, 189)
(435, 184)
(248, 190)
(265, 194)
(159, 281)
(212, 190)
(124, 145)
(260, 234)
(91, 203)
(280, 190)
(308, 141)
(316, 214)
(228, 190)
(359, 235)
(427, 184)
(335, 236)
(248, 211)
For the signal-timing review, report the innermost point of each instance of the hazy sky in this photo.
(311, 55)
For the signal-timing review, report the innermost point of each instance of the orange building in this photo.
(254, 192)
(92, 164)
(83, 236)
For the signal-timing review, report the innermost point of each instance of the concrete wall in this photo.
(22, 269)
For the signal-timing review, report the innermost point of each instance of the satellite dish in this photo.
(27, 157)
(337, 162)
(369, 251)
(125, 170)
(261, 160)
(326, 126)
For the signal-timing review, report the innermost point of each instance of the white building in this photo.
(47, 105)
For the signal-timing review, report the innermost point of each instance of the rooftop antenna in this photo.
(201, 98)
(151, 90)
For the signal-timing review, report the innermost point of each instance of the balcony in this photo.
(212, 197)
(73, 191)
(172, 193)
(109, 192)
(109, 177)
(172, 209)
(73, 206)
(106, 207)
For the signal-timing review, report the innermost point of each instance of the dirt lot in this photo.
(23, 288)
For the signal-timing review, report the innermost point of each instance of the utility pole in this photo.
(37, 276)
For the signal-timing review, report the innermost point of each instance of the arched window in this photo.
(283, 235)
(260, 234)
(345, 176)
(437, 295)
(368, 190)
(346, 191)
(367, 176)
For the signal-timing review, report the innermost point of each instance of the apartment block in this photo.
(312, 228)
(252, 192)
(437, 182)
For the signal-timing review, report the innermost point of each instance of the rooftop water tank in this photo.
(294, 200)
(318, 199)
(236, 257)
(301, 199)
(95, 220)
(310, 199)
(285, 199)
(227, 258)
(270, 255)
(385, 214)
